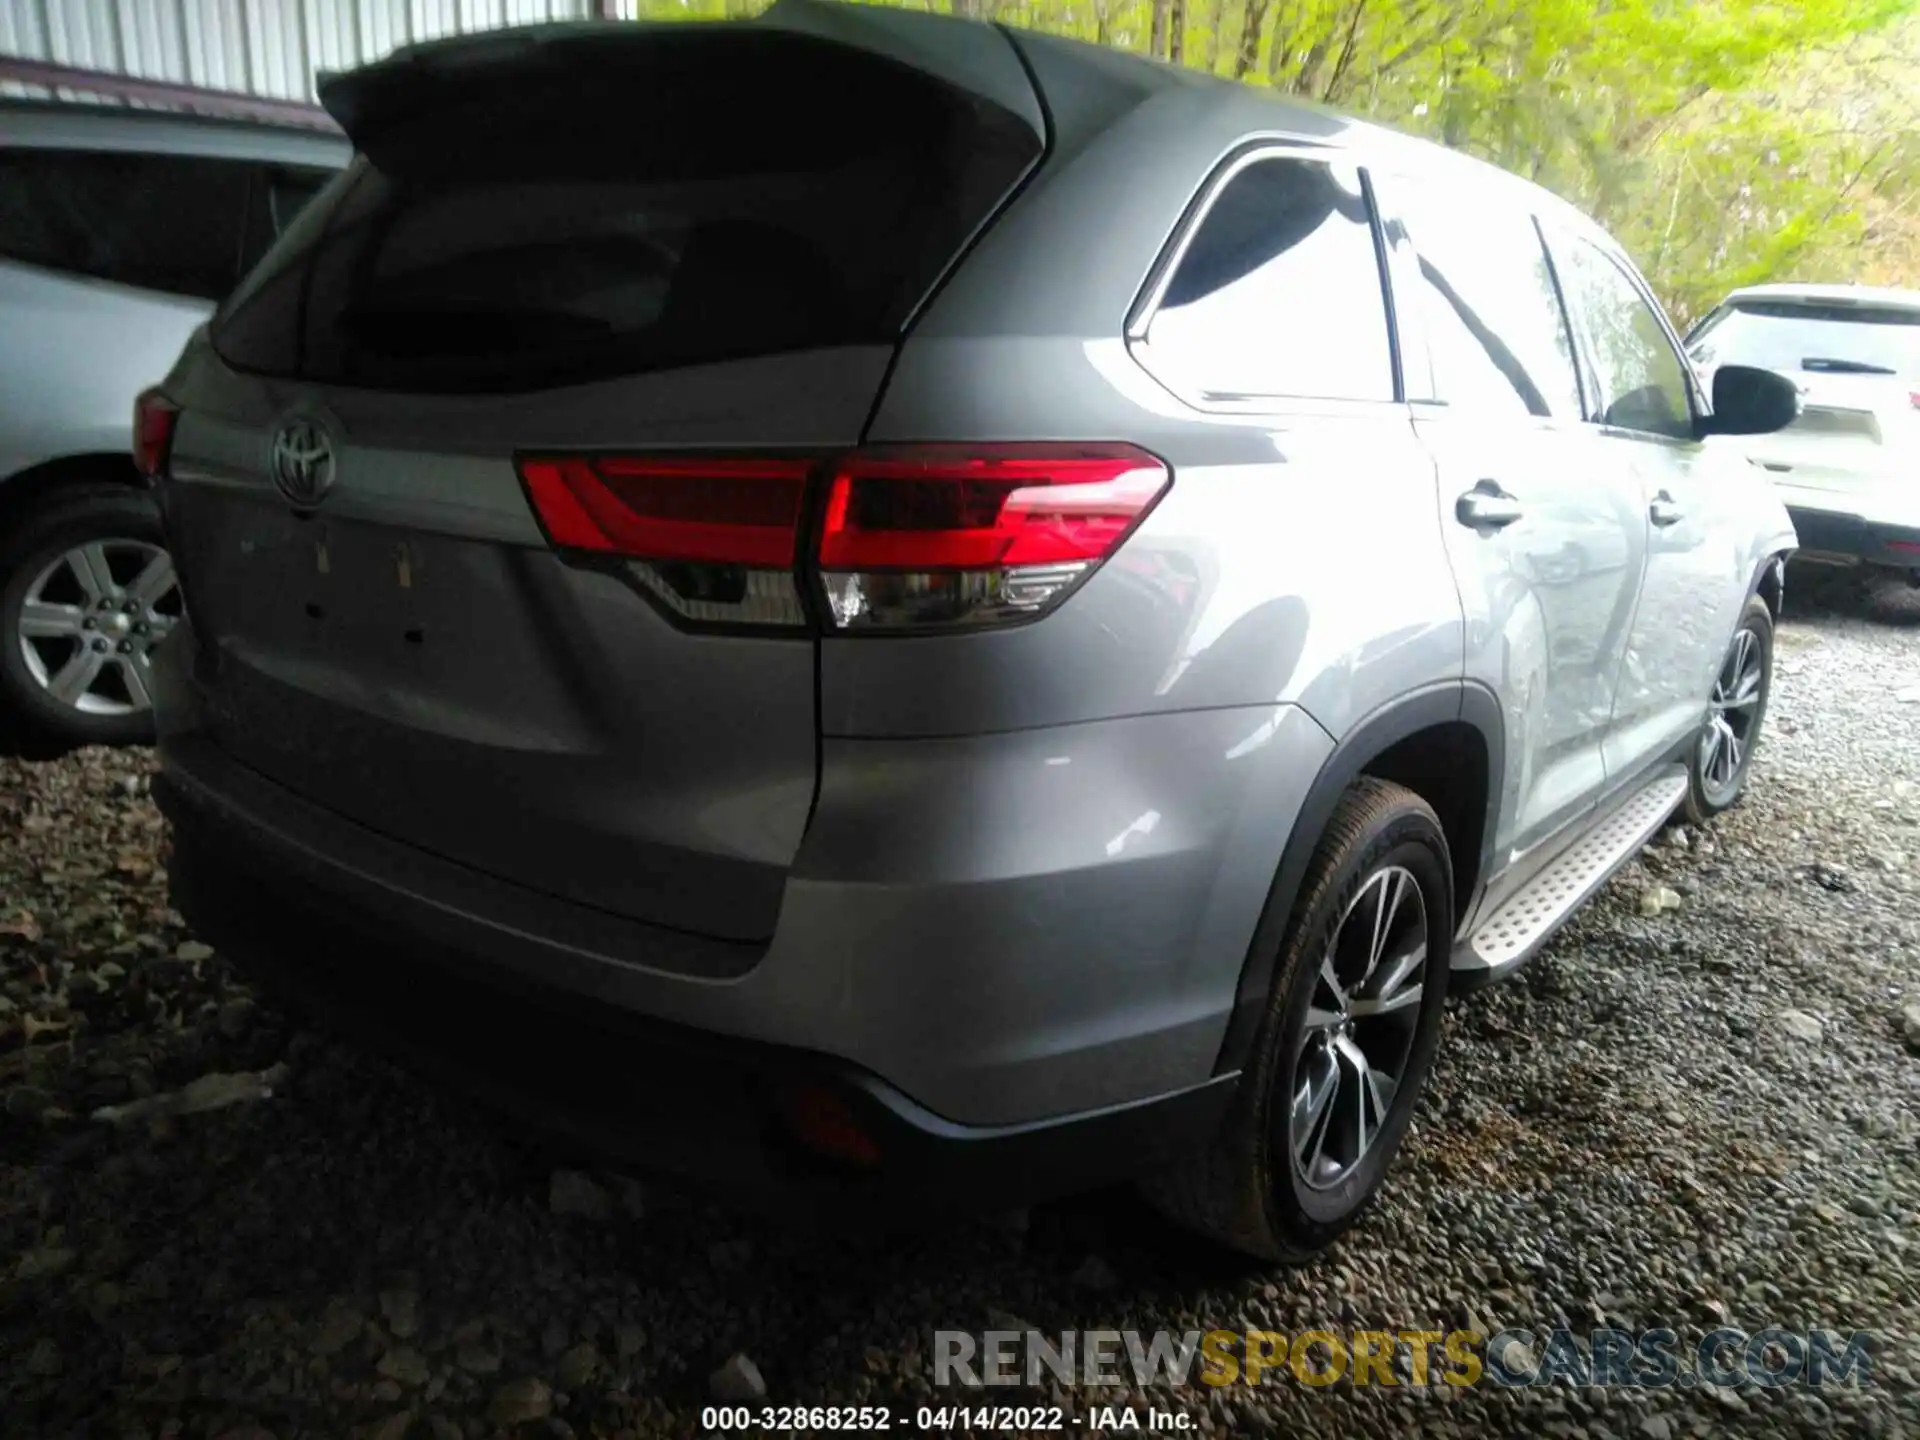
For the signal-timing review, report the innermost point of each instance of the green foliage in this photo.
(1724, 141)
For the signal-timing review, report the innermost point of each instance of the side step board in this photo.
(1513, 934)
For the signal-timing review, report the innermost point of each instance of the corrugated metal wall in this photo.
(256, 47)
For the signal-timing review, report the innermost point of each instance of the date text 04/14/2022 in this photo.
(935, 1419)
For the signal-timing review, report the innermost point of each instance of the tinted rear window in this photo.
(159, 222)
(1279, 293)
(1785, 335)
(689, 199)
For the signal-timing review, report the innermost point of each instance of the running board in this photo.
(1514, 933)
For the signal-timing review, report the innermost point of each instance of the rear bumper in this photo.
(1838, 535)
(984, 941)
(736, 1116)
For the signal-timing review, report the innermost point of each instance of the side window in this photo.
(1279, 293)
(159, 222)
(1487, 301)
(279, 193)
(1641, 379)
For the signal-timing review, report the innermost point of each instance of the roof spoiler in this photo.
(978, 59)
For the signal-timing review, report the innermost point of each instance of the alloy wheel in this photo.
(1732, 714)
(1361, 1022)
(90, 621)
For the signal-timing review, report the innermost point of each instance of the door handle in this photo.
(1487, 507)
(1663, 512)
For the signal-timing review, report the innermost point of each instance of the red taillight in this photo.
(909, 536)
(742, 512)
(969, 535)
(154, 418)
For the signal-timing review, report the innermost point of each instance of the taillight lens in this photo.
(909, 536)
(154, 419)
(936, 535)
(714, 511)
(713, 538)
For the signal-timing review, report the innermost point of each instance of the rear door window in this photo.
(170, 223)
(1490, 309)
(1278, 293)
(693, 200)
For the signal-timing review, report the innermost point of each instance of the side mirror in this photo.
(1748, 401)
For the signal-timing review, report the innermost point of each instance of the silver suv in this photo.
(946, 658)
(119, 229)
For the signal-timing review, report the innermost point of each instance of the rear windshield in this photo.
(1797, 335)
(693, 198)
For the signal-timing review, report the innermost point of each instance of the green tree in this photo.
(1724, 141)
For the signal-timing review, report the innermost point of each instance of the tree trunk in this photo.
(1177, 33)
(1307, 82)
(1248, 55)
(1157, 40)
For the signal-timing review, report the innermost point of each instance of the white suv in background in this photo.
(119, 229)
(1849, 467)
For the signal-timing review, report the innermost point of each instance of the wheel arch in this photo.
(1770, 581)
(92, 467)
(1446, 743)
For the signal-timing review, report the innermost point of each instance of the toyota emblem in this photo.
(302, 462)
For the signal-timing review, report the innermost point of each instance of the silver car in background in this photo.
(119, 230)
(866, 605)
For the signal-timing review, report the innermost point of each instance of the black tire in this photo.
(1244, 1191)
(36, 536)
(1709, 792)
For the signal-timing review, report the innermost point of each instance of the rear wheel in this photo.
(86, 591)
(1736, 709)
(1347, 1042)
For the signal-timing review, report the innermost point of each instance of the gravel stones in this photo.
(400, 1308)
(1628, 1132)
(340, 1325)
(518, 1401)
(737, 1382)
(1658, 899)
(1802, 1026)
(571, 1193)
(404, 1364)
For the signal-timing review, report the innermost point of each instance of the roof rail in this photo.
(166, 94)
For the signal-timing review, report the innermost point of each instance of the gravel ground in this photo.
(1701, 1116)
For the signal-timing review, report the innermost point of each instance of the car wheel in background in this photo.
(1347, 1042)
(86, 591)
(1736, 709)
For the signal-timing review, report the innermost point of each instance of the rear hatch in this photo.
(680, 256)
(1857, 365)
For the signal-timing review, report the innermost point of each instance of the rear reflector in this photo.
(823, 1122)
(154, 419)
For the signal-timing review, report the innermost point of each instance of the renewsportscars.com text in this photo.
(1638, 1359)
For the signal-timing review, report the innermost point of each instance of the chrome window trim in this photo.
(1255, 150)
